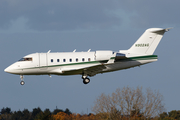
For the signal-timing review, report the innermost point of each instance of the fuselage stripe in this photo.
(149, 57)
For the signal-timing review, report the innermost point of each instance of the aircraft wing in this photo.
(90, 70)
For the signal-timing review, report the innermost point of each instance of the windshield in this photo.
(25, 59)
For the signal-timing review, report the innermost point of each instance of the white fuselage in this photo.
(72, 63)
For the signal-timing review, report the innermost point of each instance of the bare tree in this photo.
(129, 103)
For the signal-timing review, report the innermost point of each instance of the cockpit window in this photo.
(25, 59)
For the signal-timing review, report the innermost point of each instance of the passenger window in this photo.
(76, 59)
(51, 60)
(64, 60)
(70, 60)
(82, 59)
(89, 59)
(57, 60)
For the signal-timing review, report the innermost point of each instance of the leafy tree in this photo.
(67, 111)
(17, 115)
(175, 114)
(35, 112)
(5, 110)
(61, 116)
(5, 113)
(46, 115)
(163, 115)
(57, 111)
(26, 114)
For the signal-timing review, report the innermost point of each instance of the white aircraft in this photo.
(90, 63)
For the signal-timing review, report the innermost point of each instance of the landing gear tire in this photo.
(86, 80)
(22, 82)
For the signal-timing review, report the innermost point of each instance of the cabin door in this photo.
(43, 60)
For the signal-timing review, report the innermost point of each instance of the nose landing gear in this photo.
(22, 81)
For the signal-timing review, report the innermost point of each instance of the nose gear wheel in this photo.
(22, 81)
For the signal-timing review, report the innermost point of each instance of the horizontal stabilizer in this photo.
(155, 30)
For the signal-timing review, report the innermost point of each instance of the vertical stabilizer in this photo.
(148, 42)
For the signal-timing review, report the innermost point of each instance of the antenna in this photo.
(49, 51)
(74, 50)
(89, 50)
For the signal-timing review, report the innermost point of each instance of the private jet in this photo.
(90, 63)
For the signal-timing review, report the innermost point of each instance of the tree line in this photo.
(123, 104)
(35, 114)
(38, 114)
(58, 114)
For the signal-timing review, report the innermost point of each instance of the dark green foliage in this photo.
(26, 114)
(6, 110)
(17, 115)
(36, 114)
(174, 114)
(163, 115)
(36, 111)
(57, 110)
(67, 111)
(46, 115)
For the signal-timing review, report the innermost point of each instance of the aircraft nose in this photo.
(10, 69)
(7, 70)
(13, 69)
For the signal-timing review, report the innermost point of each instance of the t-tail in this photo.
(148, 42)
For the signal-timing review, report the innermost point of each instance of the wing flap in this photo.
(90, 70)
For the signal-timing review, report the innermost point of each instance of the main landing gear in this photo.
(86, 80)
(22, 81)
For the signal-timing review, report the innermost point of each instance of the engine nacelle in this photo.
(103, 55)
